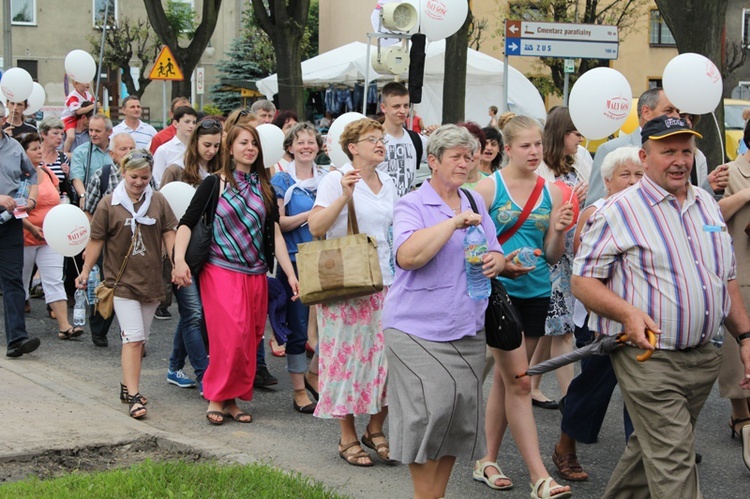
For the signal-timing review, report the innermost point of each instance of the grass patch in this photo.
(175, 479)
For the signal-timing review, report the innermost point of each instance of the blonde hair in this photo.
(137, 159)
(354, 130)
(518, 124)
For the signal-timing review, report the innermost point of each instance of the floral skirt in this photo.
(352, 364)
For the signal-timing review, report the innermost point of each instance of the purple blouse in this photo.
(433, 302)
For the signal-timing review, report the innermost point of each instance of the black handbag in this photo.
(502, 324)
(201, 236)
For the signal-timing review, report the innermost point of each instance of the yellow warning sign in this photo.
(165, 67)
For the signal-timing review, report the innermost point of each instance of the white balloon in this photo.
(16, 84)
(600, 102)
(80, 66)
(66, 229)
(334, 151)
(271, 143)
(179, 195)
(440, 19)
(693, 83)
(35, 100)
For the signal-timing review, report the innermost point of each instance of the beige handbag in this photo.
(105, 296)
(339, 268)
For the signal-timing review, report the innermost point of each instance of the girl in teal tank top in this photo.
(505, 194)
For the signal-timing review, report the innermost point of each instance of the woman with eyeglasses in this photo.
(36, 250)
(202, 158)
(233, 283)
(296, 189)
(133, 222)
(568, 165)
(352, 365)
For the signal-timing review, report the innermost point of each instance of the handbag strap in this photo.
(471, 200)
(352, 227)
(127, 255)
(209, 213)
(502, 238)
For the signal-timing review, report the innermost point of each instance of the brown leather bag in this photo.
(105, 296)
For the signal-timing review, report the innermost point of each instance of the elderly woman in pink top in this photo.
(434, 332)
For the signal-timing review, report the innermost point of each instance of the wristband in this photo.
(32, 199)
(743, 336)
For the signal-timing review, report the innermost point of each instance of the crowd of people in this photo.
(637, 239)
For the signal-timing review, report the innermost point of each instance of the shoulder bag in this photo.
(201, 236)
(105, 296)
(502, 324)
(339, 268)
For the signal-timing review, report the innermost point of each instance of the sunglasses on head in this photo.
(142, 155)
(211, 124)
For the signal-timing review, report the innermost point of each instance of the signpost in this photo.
(165, 69)
(561, 40)
(200, 83)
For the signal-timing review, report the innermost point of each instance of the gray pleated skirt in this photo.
(435, 400)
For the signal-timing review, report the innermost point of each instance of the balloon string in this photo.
(718, 131)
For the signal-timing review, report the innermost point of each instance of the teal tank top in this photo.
(505, 212)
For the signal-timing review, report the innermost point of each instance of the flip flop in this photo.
(72, 332)
(220, 417)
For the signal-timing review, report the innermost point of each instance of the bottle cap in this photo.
(537, 252)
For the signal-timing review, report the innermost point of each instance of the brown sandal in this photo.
(382, 449)
(568, 467)
(353, 457)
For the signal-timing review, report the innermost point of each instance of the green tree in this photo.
(284, 21)
(122, 42)
(238, 65)
(186, 57)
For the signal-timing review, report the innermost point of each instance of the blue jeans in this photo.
(297, 315)
(188, 337)
(11, 280)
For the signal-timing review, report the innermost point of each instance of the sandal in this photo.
(542, 490)
(354, 457)
(125, 396)
(480, 475)
(240, 417)
(745, 437)
(733, 425)
(382, 449)
(276, 349)
(72, 332)
(568, 467)
(137, 409)
(217, 419)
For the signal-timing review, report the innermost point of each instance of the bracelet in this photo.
(32, 199)
(84, 265)
(743, 336)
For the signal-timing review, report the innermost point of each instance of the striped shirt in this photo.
(238, 227)
(142, 135)
(671, 261)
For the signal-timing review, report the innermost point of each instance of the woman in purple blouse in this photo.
(434, 332)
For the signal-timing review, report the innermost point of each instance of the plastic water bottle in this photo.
(23, 189)
(79, 311)
(92, 283)
(64, 199)
(527, 257)
(475, 246)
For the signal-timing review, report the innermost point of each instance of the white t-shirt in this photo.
(374, 213)
(169, 153)
(401, 161)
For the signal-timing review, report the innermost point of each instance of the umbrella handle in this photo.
(648, 353)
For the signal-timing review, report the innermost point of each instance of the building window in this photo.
(98, 11)
(654, 83)
(659, 34)
(23, 12)
(31, 67)
(745, 28)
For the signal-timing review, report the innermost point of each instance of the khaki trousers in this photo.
(664, 397)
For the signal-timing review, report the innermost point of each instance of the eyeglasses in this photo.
(374, 140)
(211, 124)
(576, 133)
(141, 155)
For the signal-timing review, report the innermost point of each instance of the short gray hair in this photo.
(649, 98)
(2, 109)
(449, 137)
(619, 157)
(107, 121)
(265, 105)
(50, 123)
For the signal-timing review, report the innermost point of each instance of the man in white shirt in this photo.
(141, 132)
(404, 150)
(173, 152)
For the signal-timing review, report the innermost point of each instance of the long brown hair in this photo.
(557, 126)
(191, 174)
(228, 167)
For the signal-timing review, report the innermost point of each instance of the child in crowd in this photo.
(73, 110)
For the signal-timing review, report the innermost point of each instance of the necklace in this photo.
(456, 209)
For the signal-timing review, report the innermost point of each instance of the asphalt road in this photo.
(294, 441)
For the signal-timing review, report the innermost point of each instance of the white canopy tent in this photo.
(484, 81)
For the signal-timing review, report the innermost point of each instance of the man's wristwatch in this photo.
(82, 195)
(743, 336)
